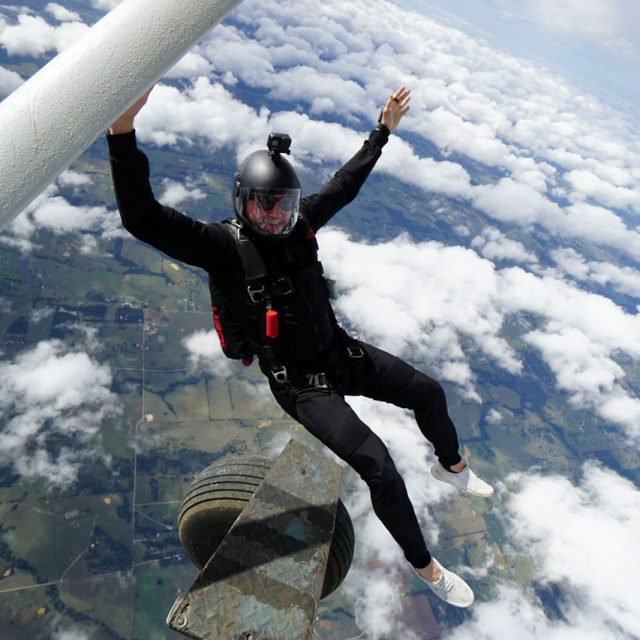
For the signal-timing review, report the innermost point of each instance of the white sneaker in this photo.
(451, 588)
(465, 480)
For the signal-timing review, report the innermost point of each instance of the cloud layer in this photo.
(582, 540)
(55, 213)
(53, 401)
(561, 161)
(430, 298)
(609, 24)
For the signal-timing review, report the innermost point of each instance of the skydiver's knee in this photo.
(427, 390)
(372, 461)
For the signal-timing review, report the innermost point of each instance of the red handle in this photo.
(272, 324)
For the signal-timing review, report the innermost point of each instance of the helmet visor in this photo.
(269, 211)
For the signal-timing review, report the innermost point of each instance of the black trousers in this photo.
(326, 414)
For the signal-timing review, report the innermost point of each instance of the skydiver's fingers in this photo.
(124, 124)
(395, 108)
(403, 100)
(401, 97)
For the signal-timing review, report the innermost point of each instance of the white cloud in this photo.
(448, 178)
(9, 81)
(60, 216)
(322, 96)
(587, 360)
(52, 212)
(425, 300)
(419, 313)
(245, 58)
(563, 539)
(205, 353)
(587, 371)
(475, 140)
(571, 262)
(200, 114)
(377, 603)
(70, 178)
(105, 5)
(494, 245)
(191, 65)
(590, 185)
(73, 633)
(600, 226)
(175, 193)
(523, 615)
(513, 202)
(37, 315)
(62, 14)
(545, 140)
(34, 36)
(53, 391)
(622, 279)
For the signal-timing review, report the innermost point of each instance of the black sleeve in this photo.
(320, 207)
(164, 228)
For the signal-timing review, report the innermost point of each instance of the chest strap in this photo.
(260, 289)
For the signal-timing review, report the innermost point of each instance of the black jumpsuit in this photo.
(324, 412)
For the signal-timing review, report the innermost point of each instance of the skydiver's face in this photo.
(270, 214)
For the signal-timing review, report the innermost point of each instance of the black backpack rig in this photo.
(261, 288)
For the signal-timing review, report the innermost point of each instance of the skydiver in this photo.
(311, 362)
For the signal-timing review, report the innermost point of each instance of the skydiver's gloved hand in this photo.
(124, 124)
(395, 108)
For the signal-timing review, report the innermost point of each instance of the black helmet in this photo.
(263, 180)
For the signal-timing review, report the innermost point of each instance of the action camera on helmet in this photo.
(278, 143)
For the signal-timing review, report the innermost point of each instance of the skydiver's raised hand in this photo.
(395, 108)
(124, 124)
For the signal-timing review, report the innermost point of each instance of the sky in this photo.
(594, 43)
(557, 137)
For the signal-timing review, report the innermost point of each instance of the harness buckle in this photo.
(256, 293)
(355, 352)
(319, 381)
(279, 374)
(284, 286)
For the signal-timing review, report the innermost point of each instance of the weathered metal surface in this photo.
(265, 579)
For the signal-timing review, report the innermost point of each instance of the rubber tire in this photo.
(220, 492)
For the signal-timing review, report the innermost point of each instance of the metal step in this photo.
(264, 581)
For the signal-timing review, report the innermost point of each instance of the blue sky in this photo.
(594, 44)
